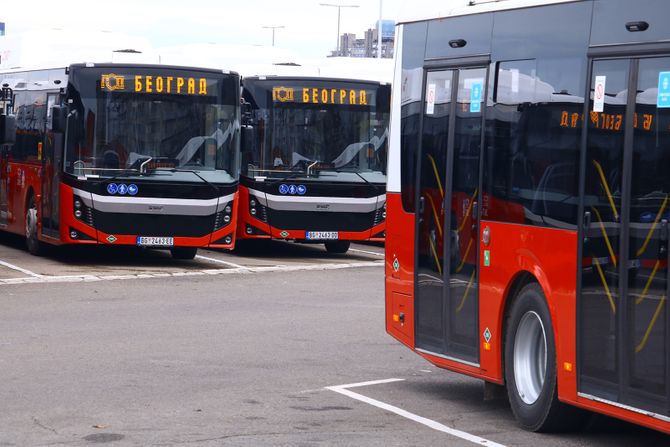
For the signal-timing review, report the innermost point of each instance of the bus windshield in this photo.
(330, 130)
(152, 120)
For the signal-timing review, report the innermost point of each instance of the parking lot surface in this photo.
(279, 344)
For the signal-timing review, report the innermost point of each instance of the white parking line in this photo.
(22, 270)
(344, 389)
(220, 261)
(241, 269)
(367, 252)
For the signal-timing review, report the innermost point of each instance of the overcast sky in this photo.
(310, 29)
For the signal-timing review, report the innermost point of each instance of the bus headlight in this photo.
(77, 214)
(252, 202)
(74, 234)
(228, 209)
(226, 218)
(77, 203)
(252, 211)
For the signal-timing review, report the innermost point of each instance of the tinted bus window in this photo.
(531, 160)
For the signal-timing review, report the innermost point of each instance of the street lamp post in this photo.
(339, 7)
(273, 28)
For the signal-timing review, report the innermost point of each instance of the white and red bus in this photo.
(314, 160)
(121, 154)
(528, 203)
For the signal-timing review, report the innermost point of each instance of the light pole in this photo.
(273, 28)
(379, 32)
(339, 7)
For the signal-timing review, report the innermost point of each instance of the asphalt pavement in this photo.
(280, 345)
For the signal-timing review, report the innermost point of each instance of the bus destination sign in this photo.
(172, 85)
(323, 95)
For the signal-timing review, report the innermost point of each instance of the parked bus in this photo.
(314, 160)
(121, 154)
(528, 204)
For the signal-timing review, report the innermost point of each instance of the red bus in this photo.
(121, 154)
(528, 204)
(314, 160)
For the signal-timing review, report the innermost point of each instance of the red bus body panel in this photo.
(549, 255)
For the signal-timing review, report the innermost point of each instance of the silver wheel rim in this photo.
(530, 357)
(31, 222)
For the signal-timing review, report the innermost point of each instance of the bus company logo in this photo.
(112, 82)
(396, 265)
(302, 189)
(284, 234)
(111, 239)
(282, 94)
(112, 188)
(283, 189)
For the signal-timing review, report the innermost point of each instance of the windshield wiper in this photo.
(376, 187)
(194, 172)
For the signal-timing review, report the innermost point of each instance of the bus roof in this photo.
(254, 60)
(434, 9)
(60, 48)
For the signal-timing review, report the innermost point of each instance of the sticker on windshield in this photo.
(302, 189)
(430, 99)
(112, 188)
(283, 189)
(663, 100)
(476, 97)
(133, 189)
(123, 189)
(599, 94)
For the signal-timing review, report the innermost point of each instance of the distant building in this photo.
(350, 46)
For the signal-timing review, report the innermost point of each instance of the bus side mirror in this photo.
(58, 118)
(247, 116)
(8, 129)
(247, 139)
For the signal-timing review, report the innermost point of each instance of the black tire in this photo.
(33, 244)
(531, 383)
(186, 253)
(338, 247)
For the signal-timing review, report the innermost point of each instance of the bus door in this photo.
(446, 295)
(623, 318)
(52, 153)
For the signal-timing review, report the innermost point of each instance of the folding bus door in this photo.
(52, 158)
(623, 320)
(446, 296)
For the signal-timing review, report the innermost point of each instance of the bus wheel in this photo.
(183, 252)
(339, 247)
(32, 243)
(530, 366)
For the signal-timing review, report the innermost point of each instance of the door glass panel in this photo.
(430, 284)
(462, 243)
(599, 300)
(647, 336)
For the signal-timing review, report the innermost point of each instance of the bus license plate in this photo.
(321, 235)
(151, 241)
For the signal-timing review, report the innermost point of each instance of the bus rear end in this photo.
(314, 160)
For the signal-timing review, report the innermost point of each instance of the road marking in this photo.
(368, 252)
(206, 272)
(344, 389)
(220, 261)
(22, 270)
